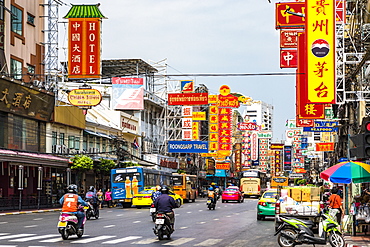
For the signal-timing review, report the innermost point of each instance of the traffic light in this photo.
(366, 139)
(361, 143)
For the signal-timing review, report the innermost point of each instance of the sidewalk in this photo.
(29, 211)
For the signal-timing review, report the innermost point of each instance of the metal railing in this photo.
(27, 202)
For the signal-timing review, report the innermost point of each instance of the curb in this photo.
(30, 212)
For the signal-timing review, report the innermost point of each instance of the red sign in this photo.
(247, 126)
(84, 48)
(228, 101)
(188, 99)
(288, 39)
(223, 166)
(305, 122)
(325, 146)
(288, 58)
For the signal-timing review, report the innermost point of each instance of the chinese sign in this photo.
(223, 166)
(288, 39)
(320, 48)
(288, 58)
(84, 47)
(287, 20)
(128, 93)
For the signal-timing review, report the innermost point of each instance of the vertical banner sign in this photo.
(278, 164)
(320, 43)
(213, 128)
(254, 146)
(287, 158)
(84, 48)
(128, 93)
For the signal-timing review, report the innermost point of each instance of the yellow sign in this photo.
(320, 45)
(85, 97)
(195, 131)
(209, 154)
(224, 152)
(199, 116)
(213, 146)
(212, 99)
(224, 90)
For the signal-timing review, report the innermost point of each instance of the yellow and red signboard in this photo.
(84, 48)
(85, 97)
(288, 38)
(320, 48)
(325, 146)
(199, 116)
(187, 98)
(288, 58)
(223, 166)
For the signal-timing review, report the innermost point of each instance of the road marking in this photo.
(146, 241)
(120, 240)
(4, 222)
(38, 219)
(109, 226)
(209, 242)
(54, 240)
(183, 227)
(32, 238)
(228, 216)
(16, 236)
(180, 241)
(238, 243)
(8, 245)
(188, 212)
(4, 233)
(203, 222)
(119, 215)
(138, 221)
(200, 210)
(216, 219)
(31, 226)
(89, 240)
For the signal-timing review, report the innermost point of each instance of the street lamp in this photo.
(68, 176)
(20, 185)
(39, 186)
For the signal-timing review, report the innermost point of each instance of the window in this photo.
(71, 141)
(30, 19)
(30, 69)
(77, 143)
(2, 10)
(84, 143)
(16, 69)
(54, 139)
(61, 139)
(17, 20)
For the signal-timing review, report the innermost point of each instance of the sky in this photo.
(201, 37)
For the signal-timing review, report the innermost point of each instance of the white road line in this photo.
(203, 222)
(119, 215)
(228, 216)
(146, 241)
(89, 240)
(200, 210)
(216, 219)
(38, 219)
(31, 226)
(54, 240)
(120, 240)
(109, 226)
(188, 212)
(209, 242)
(180, 241)
(32, 238)
(4, 233)
(238, 243)
(8, 245)
(138, 221)
(16, 236)
(4, 222)
(183, 227)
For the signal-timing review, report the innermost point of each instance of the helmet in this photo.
(91, 188)
(210, 189)
(72, 188)
(158, 188)
(213, 183)
(164, 189)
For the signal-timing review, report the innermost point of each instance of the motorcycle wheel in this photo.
(65, 234)
(283, 242)
(160, 234)
(153, 217)
(97, 214)
(336, 239)
(80, 233)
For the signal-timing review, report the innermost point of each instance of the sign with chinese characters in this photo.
(84, 97)
(223, 166)
(287, 158)
(288, 58)
(320, 48)
(285, 20)
(288, 39)
(187, 99)
(25, 101)
(187, 111)
(84, 48)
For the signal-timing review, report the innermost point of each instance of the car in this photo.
(266, 204)
(232, 193)
(144, 198)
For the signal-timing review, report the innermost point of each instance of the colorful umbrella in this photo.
(347, 172)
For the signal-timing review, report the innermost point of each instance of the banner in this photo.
(128, 93)
(187, 147)
(187, 99)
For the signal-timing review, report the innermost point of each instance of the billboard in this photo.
(187, 146)
(128, 93)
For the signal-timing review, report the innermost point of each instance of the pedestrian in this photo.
(335, 203)
(99, 195)
(108, 198)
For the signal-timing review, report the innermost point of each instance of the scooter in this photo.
(296, 232)
(211, 204)
(91, 212)
(68, 224)
(162, 226)
(152, 211)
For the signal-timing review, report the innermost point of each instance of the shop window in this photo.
(17, 20)
(30, 69)
(16, 69)
(104, 145)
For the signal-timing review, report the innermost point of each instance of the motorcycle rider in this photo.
(165, 203)
(156, 193)
(70, 202)
(92, 198)
(212, 195)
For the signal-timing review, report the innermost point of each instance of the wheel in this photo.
(97, 214)
(160, 234)
(336, 239)
(284, 242)
(88, 214)
(80, 233)
(65, 234)
(259, 217)
(178, 202)
(223, 201)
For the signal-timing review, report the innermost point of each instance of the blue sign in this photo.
(187, 147)
(320, 129)
(320, 123)
(343, 159)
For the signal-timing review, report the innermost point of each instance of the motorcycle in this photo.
(296, 232)
(162, 226)
(91, 212)
(152, 211)
(211, 204)
(68, 224)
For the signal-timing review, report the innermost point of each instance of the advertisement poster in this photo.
(128, 93)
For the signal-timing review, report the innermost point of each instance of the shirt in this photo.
(335, 201)
(79, 200)
(165, 203)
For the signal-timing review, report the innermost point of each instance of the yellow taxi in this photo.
(144, 198)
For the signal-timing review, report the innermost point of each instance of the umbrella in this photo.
(347, 172)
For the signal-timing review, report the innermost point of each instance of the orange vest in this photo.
(211, 194)
(70, 203)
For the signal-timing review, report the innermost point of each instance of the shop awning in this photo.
(32, 158)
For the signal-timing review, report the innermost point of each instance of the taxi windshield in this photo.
(270, 195)
(146, 192)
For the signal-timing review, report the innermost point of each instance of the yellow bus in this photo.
(253, 182)
(185, 185)
(279, 181)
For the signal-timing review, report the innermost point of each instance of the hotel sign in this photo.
(85, 97)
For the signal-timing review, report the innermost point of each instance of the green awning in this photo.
(85, 11)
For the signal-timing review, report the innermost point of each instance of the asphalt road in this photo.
(231, 224)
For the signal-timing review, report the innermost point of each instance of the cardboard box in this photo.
(296, 194)
(315, 194)
(306, 196)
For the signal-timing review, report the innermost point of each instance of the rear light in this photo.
(322, 205)
(259, 188)
(152, 206)
(277, 208)
(146, 196)
(262, 204)
(160, 215)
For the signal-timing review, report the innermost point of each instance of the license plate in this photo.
(159, 221)
(152, 210)
(139, 198)
(209, 201)
(62, 224)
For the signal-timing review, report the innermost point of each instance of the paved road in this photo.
(231, 224)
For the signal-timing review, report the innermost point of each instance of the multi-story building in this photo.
(260, 113)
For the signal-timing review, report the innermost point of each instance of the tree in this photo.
(81, 163)
(105, 166)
